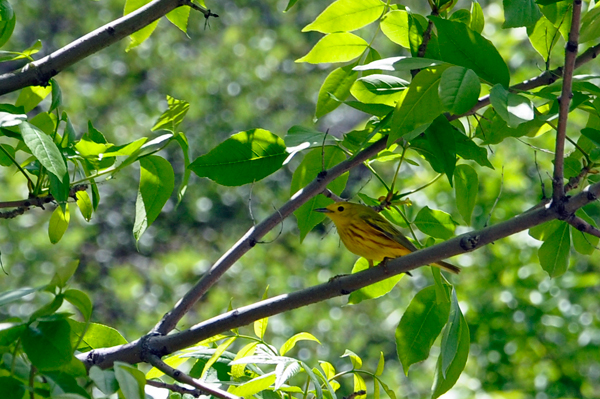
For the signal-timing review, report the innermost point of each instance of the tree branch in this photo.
(186, 379)
(135, 351)
(255, 233)
(175, 388)
(582, 225)
(558, 192)
(39, 72)
(24, 205)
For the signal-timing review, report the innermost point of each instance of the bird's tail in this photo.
(448, 267)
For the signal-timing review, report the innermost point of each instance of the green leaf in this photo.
(47, 345)
(11, 388)
(590, 25)
(157, 182)
(31, 96)
(354, 358)
(441, 139)
(7, 21)
(10, 332)
(84, 204)
(492, 128)
(584, 243)
(243, 158)
(59, 223)
(335, 47)
(450, 335)
(173, 116)
(420, 106)
(305, 173)
(254, 386)
(179, 17)
(384, 84)
(419, 327)
(513, 108)
(435, 223)
(374, 290)
(63, 385)
(395, 26)
(104, 379)
(60, 189)
(554, 252)
(462, 16)
(462, 46)
(142, 34)
(218, 352)
(467, 149)
(81, 301)
(260, 325)
(346, 15)
(442, 384)
(44, 149)
(336, 84)
(519, 13)
(365, 91)
(592, 134)
(466, 186)
(64, 273)
(182, 140)
(96, 336)
(237, 370)
(477, 20)
(543, 231)
(131, 381)
(543, 37)
(95, 135)
(69, 132)
(560, 13)
(359, 385)
(56, 95)
(291, 342)
(7, 159)
(459, 89)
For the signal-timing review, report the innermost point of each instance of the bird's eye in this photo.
(340, 208)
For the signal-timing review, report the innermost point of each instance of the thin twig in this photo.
(174, 388)
(330, 194)
(582, 225)
(186, 379)
(558, 192)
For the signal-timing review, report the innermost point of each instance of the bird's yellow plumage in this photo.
(368, 234)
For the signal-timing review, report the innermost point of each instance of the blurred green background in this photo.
(532, 336)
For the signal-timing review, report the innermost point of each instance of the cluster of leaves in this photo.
(49, 339)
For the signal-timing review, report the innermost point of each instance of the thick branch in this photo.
(565, 100)
(24, 205)
(186, 379)
(254, 235)
(337, 286)
(39, 72)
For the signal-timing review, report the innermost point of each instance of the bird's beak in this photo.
(323, 210)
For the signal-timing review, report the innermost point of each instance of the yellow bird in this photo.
(368, 234)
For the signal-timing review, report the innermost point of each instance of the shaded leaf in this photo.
(419, 327)
(466, 187)
(435, 223)
(554, 252)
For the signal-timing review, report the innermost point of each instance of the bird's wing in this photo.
(390, 231)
